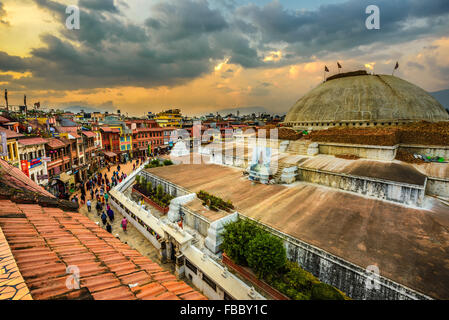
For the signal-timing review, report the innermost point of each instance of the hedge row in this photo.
(247, 244)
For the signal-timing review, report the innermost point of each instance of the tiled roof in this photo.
(3, 119)
(32, 141)
(15, 178)
(89, 134)
(108, 129)
(45, 241)
(10, 133)
(56, 143)
(12, 285)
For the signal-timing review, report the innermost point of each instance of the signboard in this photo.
(35, 163)
(42, 177)
(24, 167)
(46, 159)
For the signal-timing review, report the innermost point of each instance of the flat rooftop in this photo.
(410, 246)
(391, 171)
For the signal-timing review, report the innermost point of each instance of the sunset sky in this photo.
(206, 55)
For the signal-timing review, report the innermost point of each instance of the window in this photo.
(191, 266)
(227, 296)
(209, 282)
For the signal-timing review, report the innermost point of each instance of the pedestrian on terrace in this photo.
(124, 224)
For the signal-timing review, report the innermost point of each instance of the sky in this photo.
(207, 55)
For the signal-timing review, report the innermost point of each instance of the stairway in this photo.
(281, 166)
(298, 147)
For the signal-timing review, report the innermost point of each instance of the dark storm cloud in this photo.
(97, 26)
(99, 5)
(184, 19)
(183, 39)
(340, 27)
(3, 15)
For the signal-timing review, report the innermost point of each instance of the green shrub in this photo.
(168, 162)
(159, 192)
(138, 179)
(149, 186)
(248, 244)
(236, 238)
(323, 291)
(266, 254)
(213, 202)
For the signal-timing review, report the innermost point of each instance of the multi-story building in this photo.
(11, 153)
(33, 159)
(59, 152)
(110, 142)
(169, 118)
(148, 141)
(90, 151)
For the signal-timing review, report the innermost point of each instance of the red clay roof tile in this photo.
(45, 241)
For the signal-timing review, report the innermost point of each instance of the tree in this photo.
(266, 254)
(159, 192)
(138, 178)
(236, 238)
(149, 187)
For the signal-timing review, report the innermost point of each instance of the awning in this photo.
(89, 134)
(110, 154)
(64, 177)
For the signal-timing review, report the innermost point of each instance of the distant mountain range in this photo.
(76, 109)
(245, 111)
(443, 97)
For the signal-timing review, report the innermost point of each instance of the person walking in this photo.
(124, 224)
(104, 218)
(89, 205)
(109, 228)
(98, 207)
(106, 197)
(110, 214)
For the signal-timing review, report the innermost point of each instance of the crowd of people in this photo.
(98, 187)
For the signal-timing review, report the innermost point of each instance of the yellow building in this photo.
(12, 147)
(169, 118)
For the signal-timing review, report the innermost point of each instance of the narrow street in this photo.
(132, 236)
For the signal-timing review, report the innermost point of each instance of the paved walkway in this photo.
(132, 236)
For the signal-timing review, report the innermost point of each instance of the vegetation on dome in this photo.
(282, 134)
(247, 244)
(214, 203)
(348, 74)
(423, 132)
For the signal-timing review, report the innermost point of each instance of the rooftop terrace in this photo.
(410, 246)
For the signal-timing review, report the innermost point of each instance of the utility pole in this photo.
(6, 99)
